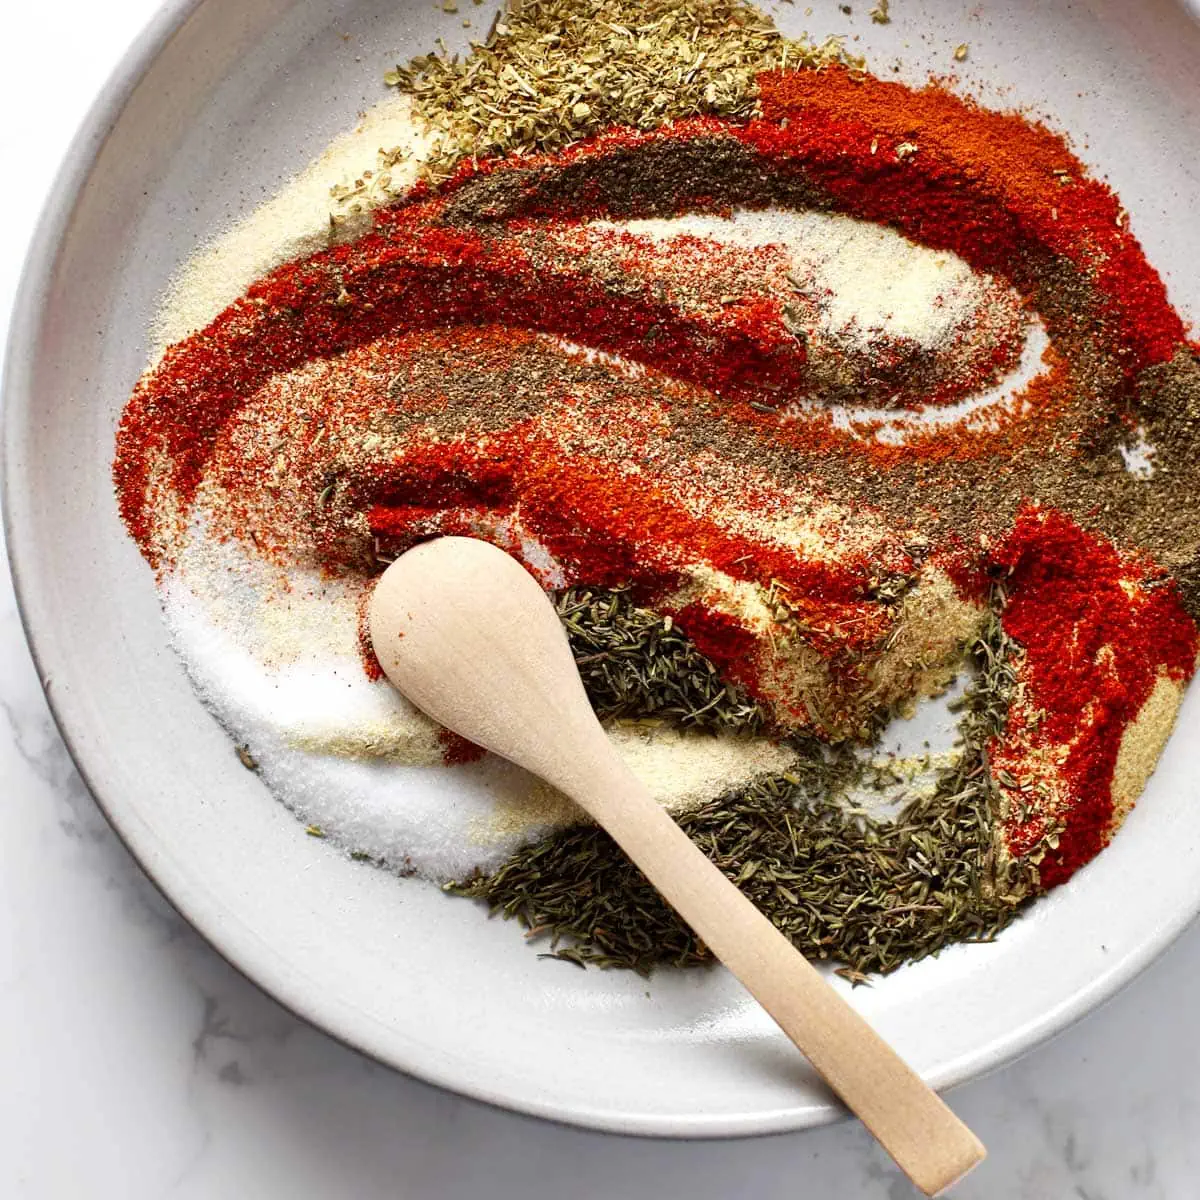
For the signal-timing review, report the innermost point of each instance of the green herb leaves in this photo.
(636, 663)
(869, 894)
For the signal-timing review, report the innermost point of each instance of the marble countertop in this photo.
(138, 1064)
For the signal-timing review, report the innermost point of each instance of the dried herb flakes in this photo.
(637, 663)
(556, 71)
(867, 894)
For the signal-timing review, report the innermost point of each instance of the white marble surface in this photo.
(137, 1064)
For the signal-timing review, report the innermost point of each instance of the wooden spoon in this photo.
(468, 635)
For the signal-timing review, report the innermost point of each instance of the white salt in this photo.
(275, 656)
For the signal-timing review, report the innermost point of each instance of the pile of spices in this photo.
(552, 72)
(868, 894)
(302, 217)
(771, 382)
(636, 663)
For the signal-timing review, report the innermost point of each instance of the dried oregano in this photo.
(554, 71)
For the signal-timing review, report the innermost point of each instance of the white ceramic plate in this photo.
(215, 106)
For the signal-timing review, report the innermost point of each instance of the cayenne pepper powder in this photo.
(1095, 644)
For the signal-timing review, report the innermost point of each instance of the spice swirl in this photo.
(622, 362)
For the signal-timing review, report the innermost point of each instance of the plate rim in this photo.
(33, 287)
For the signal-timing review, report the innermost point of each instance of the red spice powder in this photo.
(1004, 193)
(986, 185)
(457, 749)
(607, 525)
(981, 184)
(366, 649)
(1094, 648)
(996, 188)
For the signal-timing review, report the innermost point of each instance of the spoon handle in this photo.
(466, 633)
(929, 1143)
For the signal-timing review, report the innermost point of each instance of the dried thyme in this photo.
(636, 663)
(868, 894)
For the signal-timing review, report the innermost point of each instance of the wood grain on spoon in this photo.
(466, 633)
